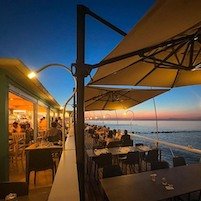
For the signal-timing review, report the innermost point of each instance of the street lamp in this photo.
(116, 117)
(103, 117)
(108, 115)
(34, 74)
(125, 113)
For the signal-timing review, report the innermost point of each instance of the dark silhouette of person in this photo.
(125, 137)
(54, 134)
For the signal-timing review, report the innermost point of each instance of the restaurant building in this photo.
(23, 101)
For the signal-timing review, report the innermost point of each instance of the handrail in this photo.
(186, 148)
(171, 152)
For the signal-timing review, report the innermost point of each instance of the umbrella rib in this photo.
(142, 59)
(106, 103)
(173, 52)
(129, 97)
(167, 63)
(99, 96)
(92, 102)
(122, 104)
(191, 53)
(176, 51)
(185, 53)
(197, 55)
(145, 76)
(175, 78)
(138, 52)
(118, 70)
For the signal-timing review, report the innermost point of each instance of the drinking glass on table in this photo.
(164, 181)
(153, 177)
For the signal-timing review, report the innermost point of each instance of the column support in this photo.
(4, 142)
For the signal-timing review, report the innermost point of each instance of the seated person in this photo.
(42, 124)
(54, 134)
(15, 128)
(29, 133)
(125, 137)
(109, 137)
(114, 133)
(118, 135)
(59, 125)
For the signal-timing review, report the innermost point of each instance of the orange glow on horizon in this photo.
(128, 115)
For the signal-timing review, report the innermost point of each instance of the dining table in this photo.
(154, 185)
(38, 194)
(44, 145)
(91, 154)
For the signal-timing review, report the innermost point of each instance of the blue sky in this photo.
(40, 32)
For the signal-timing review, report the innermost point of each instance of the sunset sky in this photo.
(40, 32)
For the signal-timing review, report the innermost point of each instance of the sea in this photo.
(186, 133)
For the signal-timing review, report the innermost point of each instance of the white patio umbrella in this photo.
(102, 98)
(162, 50)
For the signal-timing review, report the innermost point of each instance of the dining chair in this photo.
(20, 188)
(112, 171)
(39, 160)
(100, 145)
(151, 157)
(114, 144)
(156, 165)
(17, 147)
(100, 162)
(178, 161)
(132, 159)
(127, 142)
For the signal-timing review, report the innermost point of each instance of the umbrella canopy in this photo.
(99, 98)
(162, 50)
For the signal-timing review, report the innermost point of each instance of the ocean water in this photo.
(187, 133)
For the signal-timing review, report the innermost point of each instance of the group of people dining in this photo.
(103, 134)
(52, 134)
(21, 135)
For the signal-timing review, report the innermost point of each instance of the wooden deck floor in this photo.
(43, 180)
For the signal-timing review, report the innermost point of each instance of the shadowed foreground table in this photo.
(140, 187)
(38, 194)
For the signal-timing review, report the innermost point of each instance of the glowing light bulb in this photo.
(31, 75)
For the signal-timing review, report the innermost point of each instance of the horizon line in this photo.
(147, 119)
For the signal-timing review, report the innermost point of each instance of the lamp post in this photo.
(34, 73)
(108, 115)
(131, 118)
(116, 117)
(102, 116)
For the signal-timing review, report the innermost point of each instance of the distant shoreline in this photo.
(144, 120)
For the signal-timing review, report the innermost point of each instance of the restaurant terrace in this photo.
(83, 161)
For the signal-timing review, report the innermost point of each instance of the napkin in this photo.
(169, 187)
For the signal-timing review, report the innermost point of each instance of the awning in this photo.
(17, 73)
(162, 50)
(99, 98)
